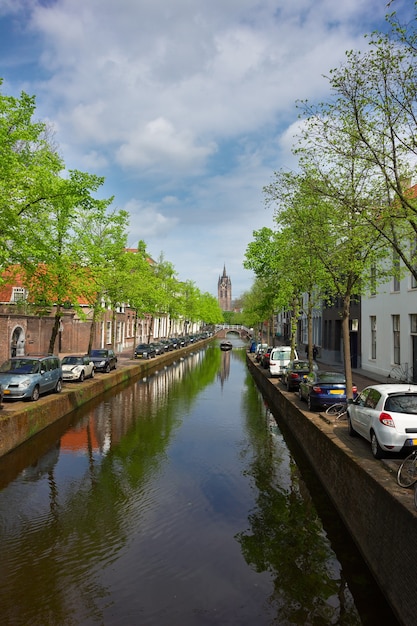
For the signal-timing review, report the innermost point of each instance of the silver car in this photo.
(385, 415)
(27, 377)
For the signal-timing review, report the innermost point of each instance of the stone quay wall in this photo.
(379, 515)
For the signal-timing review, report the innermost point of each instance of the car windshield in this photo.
(99, 353)
(71, 360)
(282, 355)
(21, 366)
(402, 403)
(331, 377)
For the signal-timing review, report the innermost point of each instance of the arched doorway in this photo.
(17, 343)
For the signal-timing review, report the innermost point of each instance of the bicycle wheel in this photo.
(407, 472)
(336, 409)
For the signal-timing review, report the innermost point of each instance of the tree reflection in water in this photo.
(286, 538)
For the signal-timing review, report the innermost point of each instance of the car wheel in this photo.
(58, 386)
(300, 395)
(82, 376)
(288, 386)
(377, 451)
(35, 394)
(92, 373)
(310, 404)
(352, 432)
(107, 369)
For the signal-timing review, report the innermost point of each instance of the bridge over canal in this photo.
(224, 330)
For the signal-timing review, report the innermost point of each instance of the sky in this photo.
(185, 107)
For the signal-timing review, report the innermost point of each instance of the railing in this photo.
(401, 374)
(232, 327)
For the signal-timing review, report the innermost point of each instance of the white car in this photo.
(385, 415)
(77, 368)
(279, 359)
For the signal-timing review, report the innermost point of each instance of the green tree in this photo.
(51, 251)
(28, 172)
(102, 237)
(375, 95)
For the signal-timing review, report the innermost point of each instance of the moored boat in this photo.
(226, 345)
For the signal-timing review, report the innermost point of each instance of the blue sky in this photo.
(186, 107)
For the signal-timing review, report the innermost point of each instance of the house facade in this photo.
(389, 328)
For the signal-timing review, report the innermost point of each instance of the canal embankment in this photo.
(379, 515)
(20, 421)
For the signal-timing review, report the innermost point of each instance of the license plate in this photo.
(337, 392)
(6, 391)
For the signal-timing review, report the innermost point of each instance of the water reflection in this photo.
(175, 501)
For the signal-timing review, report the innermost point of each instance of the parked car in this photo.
(145, 351)
(158, 346)
(168, 343)
(265, 357)
(104, 360)
(295, 372)
(77, 368)
(322, 389)
(279, 359)
(386, 416)
(28, 377)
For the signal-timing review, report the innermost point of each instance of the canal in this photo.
(175, 501)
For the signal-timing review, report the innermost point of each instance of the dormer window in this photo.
(18, 294)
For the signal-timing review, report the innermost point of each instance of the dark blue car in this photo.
(322, 389)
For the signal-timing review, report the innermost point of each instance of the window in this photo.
(18, 294)
(373, 398)
(413, 324)
(108, 332)
(373, 336)
(396, 339)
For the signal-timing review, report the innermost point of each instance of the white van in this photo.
(279, 359)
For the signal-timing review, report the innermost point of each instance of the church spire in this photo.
(224, 290)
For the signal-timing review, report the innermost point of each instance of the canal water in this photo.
(175, 501)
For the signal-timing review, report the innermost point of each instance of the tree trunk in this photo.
(294, 321)
(55, 329)
(92, 333)
(150, 329)
(346, 345)
(310, 331)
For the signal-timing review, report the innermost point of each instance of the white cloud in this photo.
(159, 145)
(148, 221)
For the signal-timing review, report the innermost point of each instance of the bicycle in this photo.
(407, 472)
(337, 410)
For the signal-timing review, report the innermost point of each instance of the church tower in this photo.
(224, 290)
